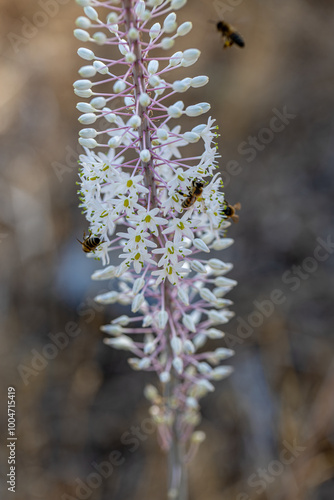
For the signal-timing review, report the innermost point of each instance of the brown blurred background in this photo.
(76, 401)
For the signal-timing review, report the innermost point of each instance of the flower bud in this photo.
(87, 71)
(155, 31)
(82, 84)
(176, 59)
(197, 109)
(83, 3)
(222, 281)
(123, 342)
(119, 86)
(100, 38)
(189, 322)
(184, 29)
(145, 155)
(174, 111)
(190, 56)
(144, 99)
(154, 81)
(130, 57)
(137, 302)
(101, 67)
(183, 296)
(198, 243)
(162, 319)
(86, 53)
(221, 372)
(177, 4)
(115, 330)
(83, 93)
(182, 85)
(133, 34)
(91, 13)
(88, 143)
(167, 43)
(213, 333)
(164, 377)
(83, 22)
(107, 298)
(87, 118)
(176, 345)
(153, 67)
(81, 35)
(188, 347)
(112, 18)
(104, 274)
(162, 134)
(199, 81)
(178, 365)
(121, 320)
(115, 141)
(98, 102)
(207, 295)
(222, 243)
(197, 267)
(198, 437)
(84, 107)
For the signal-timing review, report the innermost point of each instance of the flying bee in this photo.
(229, 211)
(230, 36)
(194, 192)
(90, 243)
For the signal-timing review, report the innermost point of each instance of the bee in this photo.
(194, 192)
(229, 211)
(230, 36)
(90, 243)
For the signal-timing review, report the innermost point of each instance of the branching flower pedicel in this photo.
(158, 210)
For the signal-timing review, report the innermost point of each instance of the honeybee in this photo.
(194, 192)
(90, 243)
(230, 36)
(229, 211)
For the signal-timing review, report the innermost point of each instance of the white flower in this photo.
(149, 220)
(180, 228)
(132, 189)
(173, 272)
(171, 253)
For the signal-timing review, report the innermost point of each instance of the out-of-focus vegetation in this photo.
(74, 408)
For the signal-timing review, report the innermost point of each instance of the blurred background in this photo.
(269, 426)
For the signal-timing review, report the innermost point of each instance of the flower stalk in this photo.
(156, 211)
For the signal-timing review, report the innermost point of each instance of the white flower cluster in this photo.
(158, 209)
